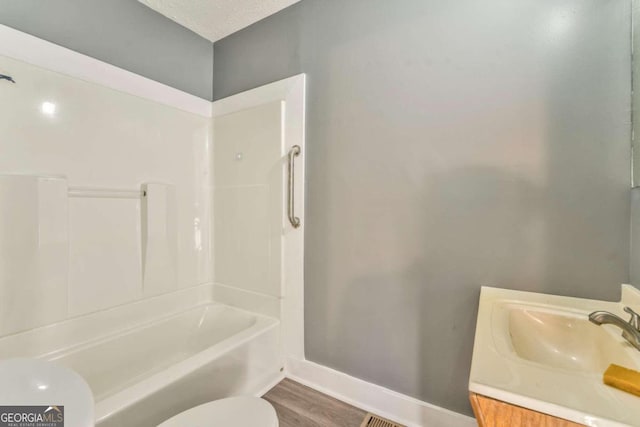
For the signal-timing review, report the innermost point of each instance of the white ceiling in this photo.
(215, 19)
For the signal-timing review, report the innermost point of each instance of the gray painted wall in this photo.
(634, 262)
(636, 94)
(450, 145)
(123, 33)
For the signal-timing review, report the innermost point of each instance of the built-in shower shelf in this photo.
(105, 193)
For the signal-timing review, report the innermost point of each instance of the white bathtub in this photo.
(144, 374)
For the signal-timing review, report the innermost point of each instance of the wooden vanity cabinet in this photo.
(495, 413)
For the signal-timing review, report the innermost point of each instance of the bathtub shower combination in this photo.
(144, 365)
(161, 259)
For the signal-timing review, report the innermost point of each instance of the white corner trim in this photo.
(27, 48)
(374, 398)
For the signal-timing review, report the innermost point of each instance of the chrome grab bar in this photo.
(293, 219)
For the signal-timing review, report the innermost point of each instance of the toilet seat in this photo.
(233, 411)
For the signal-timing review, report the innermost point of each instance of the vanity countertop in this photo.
(540, 352)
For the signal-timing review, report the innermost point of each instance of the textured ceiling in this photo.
(215, 19)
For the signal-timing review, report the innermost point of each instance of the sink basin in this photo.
(568, 342)
(540, 352)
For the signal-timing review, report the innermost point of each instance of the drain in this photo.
(375, 421)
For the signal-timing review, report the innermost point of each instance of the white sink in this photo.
(565, 341)
(541, 352)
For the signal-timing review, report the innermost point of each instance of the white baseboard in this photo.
(373, 398)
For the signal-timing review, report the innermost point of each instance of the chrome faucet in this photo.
(630, 329)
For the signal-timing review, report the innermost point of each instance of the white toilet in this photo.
(233, 411)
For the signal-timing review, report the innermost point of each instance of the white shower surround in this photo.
(250, 342)
(101, 142)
